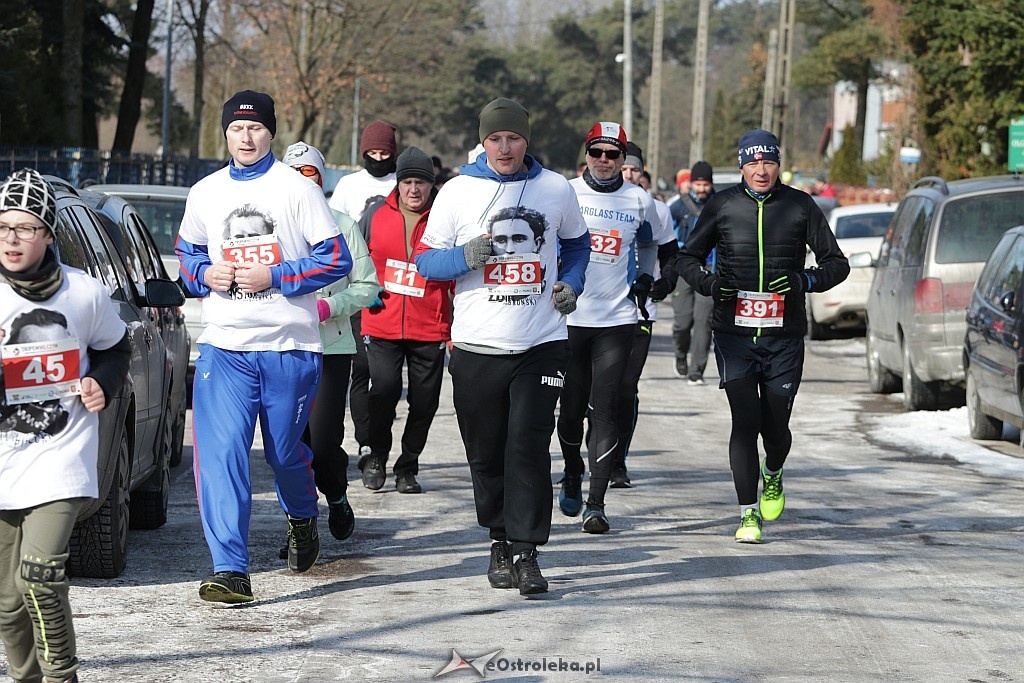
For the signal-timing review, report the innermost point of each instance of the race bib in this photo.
(41, 371)
(605, 245)
(401, 278)
(250, 251)
(759, 309)
(513, 274)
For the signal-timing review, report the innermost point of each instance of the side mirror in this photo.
(862, 259)
(1008, 301)
(162, 293)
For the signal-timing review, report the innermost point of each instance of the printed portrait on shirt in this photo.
(43, 417)
(517, 230)
(247, 221)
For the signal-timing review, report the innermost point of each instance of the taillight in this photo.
(928, 296)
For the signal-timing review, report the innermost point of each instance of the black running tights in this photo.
(756, 411)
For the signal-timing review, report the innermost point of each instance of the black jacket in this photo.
(758, 242)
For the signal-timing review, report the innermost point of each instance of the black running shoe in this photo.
(620, 478)
(228, 587)
(526, 574)
(594, 519)
(373, 473)
(406, 483)
(499, 572)
(303, 544)
(341, 520)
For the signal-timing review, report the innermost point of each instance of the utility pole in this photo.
(654, 126)
(700, 68)
(355, 120)
(787, 24)
(768, 109)
(627, 66)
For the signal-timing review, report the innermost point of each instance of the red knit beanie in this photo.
(378, 135)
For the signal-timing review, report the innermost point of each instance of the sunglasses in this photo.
(595, 153)
(308, 171)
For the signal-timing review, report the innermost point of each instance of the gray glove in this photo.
(565, 298)
(477, 251)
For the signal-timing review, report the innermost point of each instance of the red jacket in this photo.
(414, 308)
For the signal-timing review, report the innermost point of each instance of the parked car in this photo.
(133, 467)
(161, 208)
(993, 356)
(135, 245)
(938, 241)
(859, 229)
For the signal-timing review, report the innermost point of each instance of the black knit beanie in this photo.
(249, 105)
(413, 162)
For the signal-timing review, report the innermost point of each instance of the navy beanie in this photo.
(758, 145)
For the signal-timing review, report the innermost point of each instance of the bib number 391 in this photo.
(41, 371)
(759, 309)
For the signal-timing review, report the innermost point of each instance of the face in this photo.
(760, 176)
(505, 152)
(310, 172)
(513, 237)
(23, 255)
(701, 188)
(247, 226)
(378, 154)
(414, 193)
(604, 168)
(632, 174)
(248, 142)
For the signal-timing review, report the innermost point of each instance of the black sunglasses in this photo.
(595, 153)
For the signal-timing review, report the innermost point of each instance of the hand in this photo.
(323, 309)
(253, 277)
(723, 291)
(220, 276)
(377, 305)
(477, 251)
(92, 395)
(564, 297)
(790, 282)
(664, 285)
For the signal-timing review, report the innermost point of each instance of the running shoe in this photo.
(750, 527)
(303, 544)
(570, 498)
(681, 369)
(695, 380)
(620, 478)
(773, 499)
(499, 572)
(594, 519)
(227, 587)
(341, 519)
(526, 574)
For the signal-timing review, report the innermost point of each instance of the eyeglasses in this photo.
(595, 153)
(26, 233)
(308, 171)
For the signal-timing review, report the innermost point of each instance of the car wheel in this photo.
(149, 502)
(982, 426)
(177, 439)
(917, 395)
(815, 329)
(99, 544)
(880, 379)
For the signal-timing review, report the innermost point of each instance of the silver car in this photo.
(931, 256)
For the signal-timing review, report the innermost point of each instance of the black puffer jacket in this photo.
(758, 242)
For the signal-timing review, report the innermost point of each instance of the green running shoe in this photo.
(228, 587)
(773, 499)
(750, 527)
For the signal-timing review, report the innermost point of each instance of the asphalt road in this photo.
(886, 566)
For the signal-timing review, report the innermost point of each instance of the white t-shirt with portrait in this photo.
(614, 219)
(488, 310)
(356, 191)
(49, 449)
(293, 213)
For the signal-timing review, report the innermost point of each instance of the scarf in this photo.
(610, 185)
(39, 284)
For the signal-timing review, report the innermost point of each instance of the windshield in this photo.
(163, 218)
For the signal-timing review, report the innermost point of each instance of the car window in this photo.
(103, 251)
(891, 252)
(1008, 276)
(69, 244)
(163, 218)
(133, 259)
(916, 236)
(863, 225)
(152, 264)
(971, 226)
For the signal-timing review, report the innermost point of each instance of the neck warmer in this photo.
(379, 169)
(610, 185)
(251, 172)
(480, 169)
(39, 284)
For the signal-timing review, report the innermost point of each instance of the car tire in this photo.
(982, 426)
(99, 544)
(177, 438)
(149, 502)
(881, 381)
(917, 395)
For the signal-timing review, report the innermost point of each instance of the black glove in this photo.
(664, 285)
(640, 290)
(564, 297)
(790, 282)
(477, 251)
(723, 291)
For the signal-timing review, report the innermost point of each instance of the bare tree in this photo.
(194, 15)
(130, 108)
